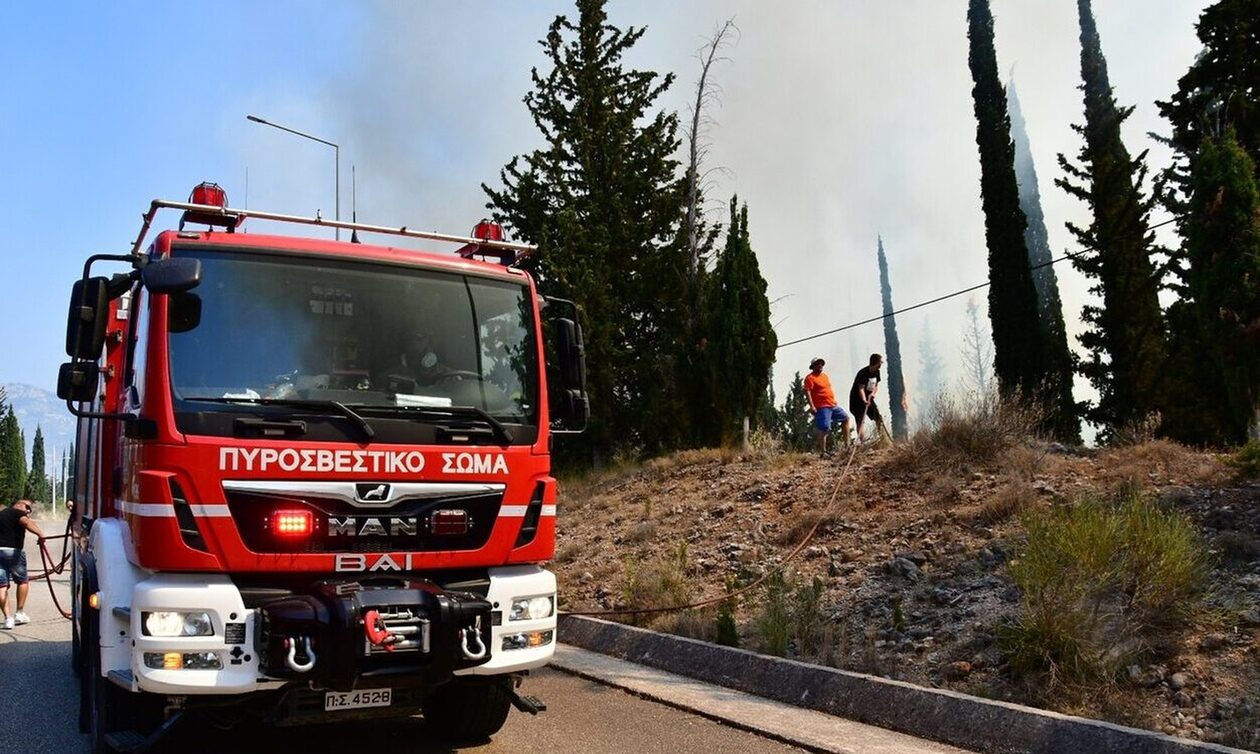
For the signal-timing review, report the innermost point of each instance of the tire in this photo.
(467, 711)
(99, 705)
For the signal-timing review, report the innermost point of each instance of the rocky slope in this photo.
(913, 566)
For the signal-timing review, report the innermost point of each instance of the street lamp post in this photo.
(336, 156)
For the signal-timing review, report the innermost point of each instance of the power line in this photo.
(954, 294)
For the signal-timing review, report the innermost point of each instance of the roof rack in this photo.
(232, 217)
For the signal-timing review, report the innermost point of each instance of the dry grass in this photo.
(965, 436)
(1246, 461)
(660, 582)
(1158, 461)
(1008, 501)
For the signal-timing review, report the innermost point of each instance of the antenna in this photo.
(354, 205)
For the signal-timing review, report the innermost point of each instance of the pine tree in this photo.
(1126, 336)
(1223, 251)
(977, 356)
(603, 201)
(892, 344)
(794, 417)
(931, 369)
(1215, 97)
(37, 487)
(1020, 353)
(742, 338)
(1221, 86)
(1049, 307)
(12, 458)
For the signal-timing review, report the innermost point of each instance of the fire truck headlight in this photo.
(166, 623)
(531, 608)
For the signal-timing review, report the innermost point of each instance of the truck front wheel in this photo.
(469, 710)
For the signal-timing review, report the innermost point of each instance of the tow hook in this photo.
(377, 633)
(291, 644)
(531, 704)
(470, 641)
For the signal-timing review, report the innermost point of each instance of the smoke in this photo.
(838, 120)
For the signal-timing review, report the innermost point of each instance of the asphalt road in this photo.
(39, 708)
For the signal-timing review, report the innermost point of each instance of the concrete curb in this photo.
(941, 715)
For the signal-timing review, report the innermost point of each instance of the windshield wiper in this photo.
(336, 406)
(500, 431)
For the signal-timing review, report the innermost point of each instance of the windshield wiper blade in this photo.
(336, 406)
(500, 431)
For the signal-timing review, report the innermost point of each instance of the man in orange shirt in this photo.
(822, 400)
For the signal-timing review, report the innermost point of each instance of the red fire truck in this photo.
(313, 477)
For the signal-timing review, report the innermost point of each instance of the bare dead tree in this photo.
(707, 94)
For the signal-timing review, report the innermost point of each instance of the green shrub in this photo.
(727, 630)
(1247, 460)
(1098, 578)
(773, 623)
(661, 582)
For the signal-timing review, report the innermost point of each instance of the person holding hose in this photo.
(862, 396)
(15, 521)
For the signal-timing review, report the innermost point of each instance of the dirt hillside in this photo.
(909, 577)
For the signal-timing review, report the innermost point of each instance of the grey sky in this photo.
(840, 121)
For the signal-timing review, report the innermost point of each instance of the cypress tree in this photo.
(12, 458)
(896, 379)
(603, 201)
(1126, 336)
(1020, 353)
(37, 488)
(742, 338)
(1049, 307)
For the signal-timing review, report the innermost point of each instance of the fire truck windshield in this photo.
(280, 330)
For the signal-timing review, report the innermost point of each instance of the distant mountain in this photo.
(37, 407)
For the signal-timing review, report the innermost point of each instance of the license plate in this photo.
(340, 700)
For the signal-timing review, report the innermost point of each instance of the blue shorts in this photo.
(12, 565)
(823, 417)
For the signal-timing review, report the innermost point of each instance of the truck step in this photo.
(531, 704)
(122, 679)
(126, 740)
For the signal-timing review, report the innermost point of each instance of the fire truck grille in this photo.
(337, 526)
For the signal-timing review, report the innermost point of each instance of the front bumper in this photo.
(250, 646)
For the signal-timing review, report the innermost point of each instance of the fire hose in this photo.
(51, 569)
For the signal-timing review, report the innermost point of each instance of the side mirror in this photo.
(571, 405)
(171, 275)
(183, 312)
(86, 320)
(77, 381)
(571, 352)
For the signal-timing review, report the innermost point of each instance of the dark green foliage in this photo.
(1223, 85)
(1020, 354)
(1058, 385)
(727, 631)
(1216, 133)
(741, 339)
(12, 459)
(37, 487)
(603, 201)
(794, 417)
(892, 345)
(1223, 251)
(1126, 335)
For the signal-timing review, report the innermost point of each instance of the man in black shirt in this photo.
(15, 521)
(862, 395)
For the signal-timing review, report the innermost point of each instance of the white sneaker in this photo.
(20, 617)
(8, 623)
